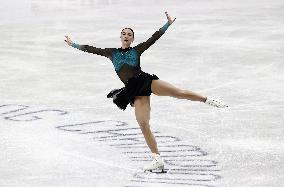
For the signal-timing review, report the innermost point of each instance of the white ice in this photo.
(57, 128)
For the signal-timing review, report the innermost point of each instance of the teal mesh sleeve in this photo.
(77, 46)
(165, 27)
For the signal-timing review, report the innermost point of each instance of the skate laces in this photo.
(215, 103)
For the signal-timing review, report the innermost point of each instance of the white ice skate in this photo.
(156, 165)
(215, 103)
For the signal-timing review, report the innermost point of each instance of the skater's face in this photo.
(126, 37)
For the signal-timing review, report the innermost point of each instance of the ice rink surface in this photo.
(57, 127)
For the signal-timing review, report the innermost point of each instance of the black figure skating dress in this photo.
(127, 66)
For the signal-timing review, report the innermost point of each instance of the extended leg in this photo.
(163, 88)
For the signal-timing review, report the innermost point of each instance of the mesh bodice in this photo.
(126, 72)
(126, 63)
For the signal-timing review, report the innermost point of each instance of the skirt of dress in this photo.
(139, 85)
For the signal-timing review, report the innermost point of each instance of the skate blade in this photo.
(158, 170)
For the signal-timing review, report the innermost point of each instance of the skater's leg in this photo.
(163, 88)
(142, 113)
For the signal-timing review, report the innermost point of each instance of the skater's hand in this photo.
(170, 20)
(68, 41)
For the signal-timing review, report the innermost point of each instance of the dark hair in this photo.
(129, 29)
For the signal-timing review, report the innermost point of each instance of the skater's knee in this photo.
(179, 93)
(144, 126)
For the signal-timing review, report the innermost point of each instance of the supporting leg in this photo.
(142, 113)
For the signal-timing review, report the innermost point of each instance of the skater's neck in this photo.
(125, 46)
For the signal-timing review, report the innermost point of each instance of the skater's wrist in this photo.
(77, 46)
(165, 27)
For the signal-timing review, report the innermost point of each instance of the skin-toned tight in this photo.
(142, 107)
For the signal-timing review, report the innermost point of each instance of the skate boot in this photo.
(156, 165)
(215, 103)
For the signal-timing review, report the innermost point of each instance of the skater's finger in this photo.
(166, 13)
(67, 37)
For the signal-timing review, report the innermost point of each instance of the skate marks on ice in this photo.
(186, 164)
(15, 112)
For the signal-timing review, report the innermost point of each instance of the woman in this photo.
(139, 85)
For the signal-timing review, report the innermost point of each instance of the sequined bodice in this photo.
(126, 63)
(129, 57)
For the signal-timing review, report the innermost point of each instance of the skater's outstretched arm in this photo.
(90, 49)
(145, 45)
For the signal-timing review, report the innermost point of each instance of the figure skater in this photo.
(139, 85)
